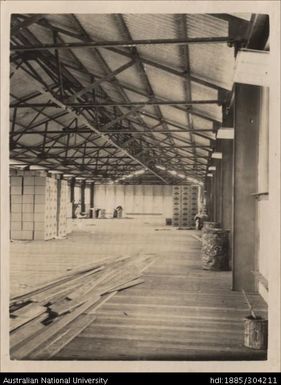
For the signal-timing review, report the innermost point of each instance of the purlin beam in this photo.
(51, 140)
(100, 57)
(121, 104)
(26, 23)
(143, 75)
(144, 61)
(88, 124)
(117, 132)
(147, 61)
(97, 83)
(105, 65)
(187, 82)
(123, 44)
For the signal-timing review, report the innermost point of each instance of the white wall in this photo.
(77, 194)
(263, 201)
(87, 194)
(135, 199)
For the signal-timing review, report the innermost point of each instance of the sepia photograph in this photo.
(143, 189)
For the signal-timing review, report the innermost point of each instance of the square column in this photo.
(247, 106)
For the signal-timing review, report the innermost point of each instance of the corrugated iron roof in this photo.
(200, 25)
(163, 79)
(213, 62)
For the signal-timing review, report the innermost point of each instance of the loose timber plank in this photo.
(58, 342)
(25, 315)
(19, 335)
(130, 284)
(51, 286)
(50, 330)
(66, 306)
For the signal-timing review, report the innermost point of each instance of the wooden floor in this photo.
(180, 312)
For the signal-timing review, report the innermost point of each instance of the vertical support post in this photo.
(227, 191)
(227, 183)
(247, 107)
(72, 198)
(58, 202)
(214, 197)
(92, 198)
(83, 186)
(218, 185)
(209, 197)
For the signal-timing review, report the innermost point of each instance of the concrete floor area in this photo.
(180, 312)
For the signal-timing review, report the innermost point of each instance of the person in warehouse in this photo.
(200, 218)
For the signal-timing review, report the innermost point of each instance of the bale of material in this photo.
(214, 252)
(255, 333)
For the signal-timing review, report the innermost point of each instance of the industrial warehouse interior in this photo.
(141, 183)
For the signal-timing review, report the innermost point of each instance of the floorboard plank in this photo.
(179, 312)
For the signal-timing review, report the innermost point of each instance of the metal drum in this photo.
(255, 333)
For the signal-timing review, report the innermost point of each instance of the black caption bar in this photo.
(139, 378)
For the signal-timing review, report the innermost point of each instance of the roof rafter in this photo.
(148, 61)
(89, 124)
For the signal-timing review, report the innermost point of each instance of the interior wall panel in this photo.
(135, 199)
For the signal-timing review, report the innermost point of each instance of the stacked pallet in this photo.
(185, 205)
(45, 219)
(33, 207)
(176, 205)
(87, 199)
(17, 227)
(63, 209)
(42, 322)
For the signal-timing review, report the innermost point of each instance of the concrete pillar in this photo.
(83, 186)
(212, 199)
(72, 196)
(209, 197)
(218, 184)
(92, 198)
(227, 183)
(58, 202)
(247, 105)
(227, 191)
(214, 185)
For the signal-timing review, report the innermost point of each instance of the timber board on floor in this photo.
(180, 312)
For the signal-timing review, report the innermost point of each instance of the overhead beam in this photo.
(97, 83)
(117, 132)
(101, 148)
(124, 44)
(26, 23)
(144, 77)
(186, 62)
(93, 128)
(171, 123)
(172, 71)
(148, 131)
(119, 104)
(53, 155)
(110, 124)
(104, 64)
